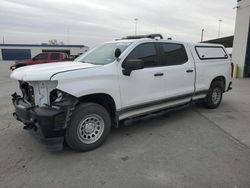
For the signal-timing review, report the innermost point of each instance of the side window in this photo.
(55, 56)
(211, 52)
(173, 54)
(145, 52)
(42, 56)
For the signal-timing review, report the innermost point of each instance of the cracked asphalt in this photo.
(193, 147)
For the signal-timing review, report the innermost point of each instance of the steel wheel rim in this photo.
(216, 95)
(90, 129)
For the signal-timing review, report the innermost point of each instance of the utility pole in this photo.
(219, 28)
(3, 40)
(136, 20)
(202, 33)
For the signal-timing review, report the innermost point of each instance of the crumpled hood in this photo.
(46, 71)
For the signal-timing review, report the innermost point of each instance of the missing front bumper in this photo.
(46, 124)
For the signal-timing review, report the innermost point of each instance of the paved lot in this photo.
(194, 147)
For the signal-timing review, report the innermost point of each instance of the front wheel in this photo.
(88, 128)
(214, 95)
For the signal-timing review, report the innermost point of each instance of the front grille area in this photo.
(27, 91)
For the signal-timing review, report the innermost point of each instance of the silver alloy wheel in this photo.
(216, 95)
(90, 129)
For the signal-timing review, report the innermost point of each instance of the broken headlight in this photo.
(55, 96)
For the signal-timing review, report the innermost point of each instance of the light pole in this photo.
(219, 28)
(136, 20)
(202, 32)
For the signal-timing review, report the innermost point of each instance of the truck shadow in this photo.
(146, 125)
(160, 123)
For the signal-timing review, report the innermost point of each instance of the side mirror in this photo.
(117, 52)
(131, 65)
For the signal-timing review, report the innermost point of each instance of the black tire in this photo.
(215, 89)
(78, 134)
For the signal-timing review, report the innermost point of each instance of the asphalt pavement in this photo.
(193, 147)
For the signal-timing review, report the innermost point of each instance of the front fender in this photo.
(83, 82)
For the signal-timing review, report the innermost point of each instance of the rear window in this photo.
(211, 52)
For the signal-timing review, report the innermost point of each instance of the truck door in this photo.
(178, 72)
(141, 88)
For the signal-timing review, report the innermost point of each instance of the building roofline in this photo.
(226, 41)
(43, 45)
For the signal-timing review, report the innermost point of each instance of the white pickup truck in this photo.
(79, 101)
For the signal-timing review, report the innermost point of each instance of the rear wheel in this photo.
(214, 95)
(88, 128)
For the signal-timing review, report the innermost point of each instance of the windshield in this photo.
(103, 54)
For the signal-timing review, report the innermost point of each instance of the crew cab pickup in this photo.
(135, 76)
(45, 57)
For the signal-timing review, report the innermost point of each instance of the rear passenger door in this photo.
(177, 67)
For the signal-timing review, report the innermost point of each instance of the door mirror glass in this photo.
(117, 52)
(131, 65)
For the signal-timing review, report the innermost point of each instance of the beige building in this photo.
(241, 44)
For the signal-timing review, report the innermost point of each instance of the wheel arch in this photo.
(221, 79)
(104, 100)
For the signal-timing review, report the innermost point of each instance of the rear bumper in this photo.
(46, 124)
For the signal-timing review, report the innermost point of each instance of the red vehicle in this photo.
(45, 57)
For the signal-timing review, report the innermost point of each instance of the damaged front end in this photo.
(44, 110)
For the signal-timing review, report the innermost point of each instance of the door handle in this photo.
(189, 70)
(158, 74)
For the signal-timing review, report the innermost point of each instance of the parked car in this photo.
(45, 57)
(132, 77)
(73, 57)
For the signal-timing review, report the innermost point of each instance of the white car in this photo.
(138, 75)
